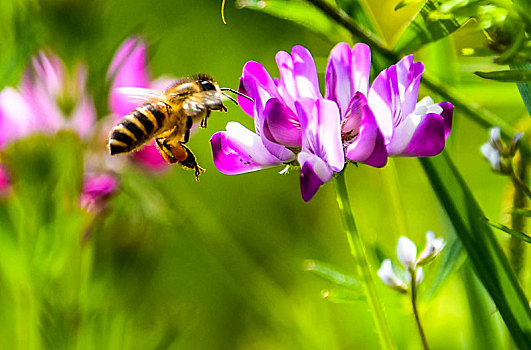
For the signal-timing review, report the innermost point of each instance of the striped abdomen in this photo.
(137, 127)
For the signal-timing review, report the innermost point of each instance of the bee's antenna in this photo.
(237, 93)
(230, 97)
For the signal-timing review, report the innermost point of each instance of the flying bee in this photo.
(168, 116)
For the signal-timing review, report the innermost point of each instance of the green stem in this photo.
(413, 274)
(478, 114)
(357, 250)
(519, 184)
(517, 246)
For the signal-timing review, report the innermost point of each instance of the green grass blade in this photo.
(301, 13)
(524, 87)
(329, 273)
(423, 29)
(514, 233)
(484, 251)
(486, 335)
(514, 75)
(453, 260)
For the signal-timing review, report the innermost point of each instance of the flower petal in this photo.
(419, 276)
(150, 158)
(281, 125)
(298, 74)
(338, 77)
(128, 69)
(97, 188)
(347, 72)
(492, 155)
(314, 173)
(84, 117)
(361, 67)
(321, 129)
(409, 74)
(388, 276)
(447, 114)
(418, 136)
(432, 249)
(368, 146)
(305, 73)
(16, 117)
(406, 251)
(382, 101)
(239, 150)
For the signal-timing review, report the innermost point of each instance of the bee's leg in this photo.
(165, 151)
(190, 162)
(181, 154)
(204, 120)
(189, 123)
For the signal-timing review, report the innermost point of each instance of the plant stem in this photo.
(413, 273)
(519, 184)
(517, 246)
(357, 250)
(479, 115)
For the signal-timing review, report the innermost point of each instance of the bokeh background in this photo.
(219, 264)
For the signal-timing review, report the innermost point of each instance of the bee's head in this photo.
(207, 82)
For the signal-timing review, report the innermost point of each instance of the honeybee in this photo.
(168, 116)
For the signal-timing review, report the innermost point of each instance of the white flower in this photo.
(406, 251)
(433, 248)
(389, 277)
(492, 155)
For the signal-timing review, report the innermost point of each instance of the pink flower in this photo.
(129, 68)
(5, 182)
(410, 129)
(97, 189)
(46, 100)
(356, 121)
(347, 83)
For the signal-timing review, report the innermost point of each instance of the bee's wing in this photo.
(198, 102)
(139, 95)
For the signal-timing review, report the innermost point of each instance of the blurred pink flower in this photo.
(129, 68)
(46, 100)
(5, 183)
(97, 188)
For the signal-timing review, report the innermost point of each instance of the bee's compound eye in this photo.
(207, 85)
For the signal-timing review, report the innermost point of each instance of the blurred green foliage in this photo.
(219, 264)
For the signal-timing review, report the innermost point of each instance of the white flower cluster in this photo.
(498, 154)
(406, 252)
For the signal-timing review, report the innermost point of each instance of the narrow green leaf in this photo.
(484, 251)
(423, 29)
(356, 10)
(405, 3)
(329, 273)
(342, 295)
(514, 233)
(524, 87)
(453, 259)
(301, 13)
(486, 334)
(516, 75)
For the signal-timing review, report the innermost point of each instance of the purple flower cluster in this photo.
(354, 121)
